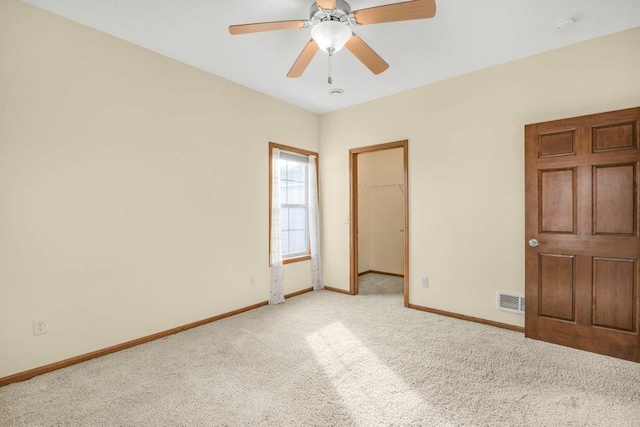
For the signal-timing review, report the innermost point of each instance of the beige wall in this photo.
(133, 190)
(466, 165)
(381, 211)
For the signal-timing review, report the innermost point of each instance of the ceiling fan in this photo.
(331, 21)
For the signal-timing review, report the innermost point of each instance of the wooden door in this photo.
(582, 216)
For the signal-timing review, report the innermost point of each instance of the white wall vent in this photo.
(510, 302)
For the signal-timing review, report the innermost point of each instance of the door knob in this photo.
(534, 242)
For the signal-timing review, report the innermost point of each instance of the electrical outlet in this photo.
(425, 282)
(39, 327)
(252, 280)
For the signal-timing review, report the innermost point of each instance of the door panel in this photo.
(614, 290)
(557, 196)
(557, 286)
(582, 206)
(557, 144)
(614, 137)
(613, 190)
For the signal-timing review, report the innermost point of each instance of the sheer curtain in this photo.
(314, 226)
(276, 295)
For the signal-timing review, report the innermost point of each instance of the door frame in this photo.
(353, 211)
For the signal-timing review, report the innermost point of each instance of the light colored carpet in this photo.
(328, 359)
(371, 284)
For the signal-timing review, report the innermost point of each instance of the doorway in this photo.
(388, 225)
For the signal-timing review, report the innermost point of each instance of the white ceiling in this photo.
(464, 36)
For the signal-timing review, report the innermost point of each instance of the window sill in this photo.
(296, 259)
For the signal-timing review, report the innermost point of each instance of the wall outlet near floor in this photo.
(252, 280)
(425, 282)
(39, 327)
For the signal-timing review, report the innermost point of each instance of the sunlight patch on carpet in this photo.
(370, 390)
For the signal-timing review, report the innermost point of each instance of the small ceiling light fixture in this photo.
(564, 24)
(336, 92)
(331, 36)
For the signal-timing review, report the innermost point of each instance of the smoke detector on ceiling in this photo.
(564, 24)
(336, 92)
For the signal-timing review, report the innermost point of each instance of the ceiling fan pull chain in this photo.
(330, 80)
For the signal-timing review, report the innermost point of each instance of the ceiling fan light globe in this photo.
(331, 36)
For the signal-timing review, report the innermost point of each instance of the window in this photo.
(294, 202)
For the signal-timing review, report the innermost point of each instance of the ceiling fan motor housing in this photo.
(330, 27)
(341, 13)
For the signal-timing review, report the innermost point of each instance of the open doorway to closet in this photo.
(379, 212)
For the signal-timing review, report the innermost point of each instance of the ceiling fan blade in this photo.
(304, 59)
(265, 26)
(326, 4)
(417, 9)
(366, 55)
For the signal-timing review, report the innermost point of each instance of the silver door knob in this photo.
(533, 243)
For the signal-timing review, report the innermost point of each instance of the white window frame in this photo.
(288, 156)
